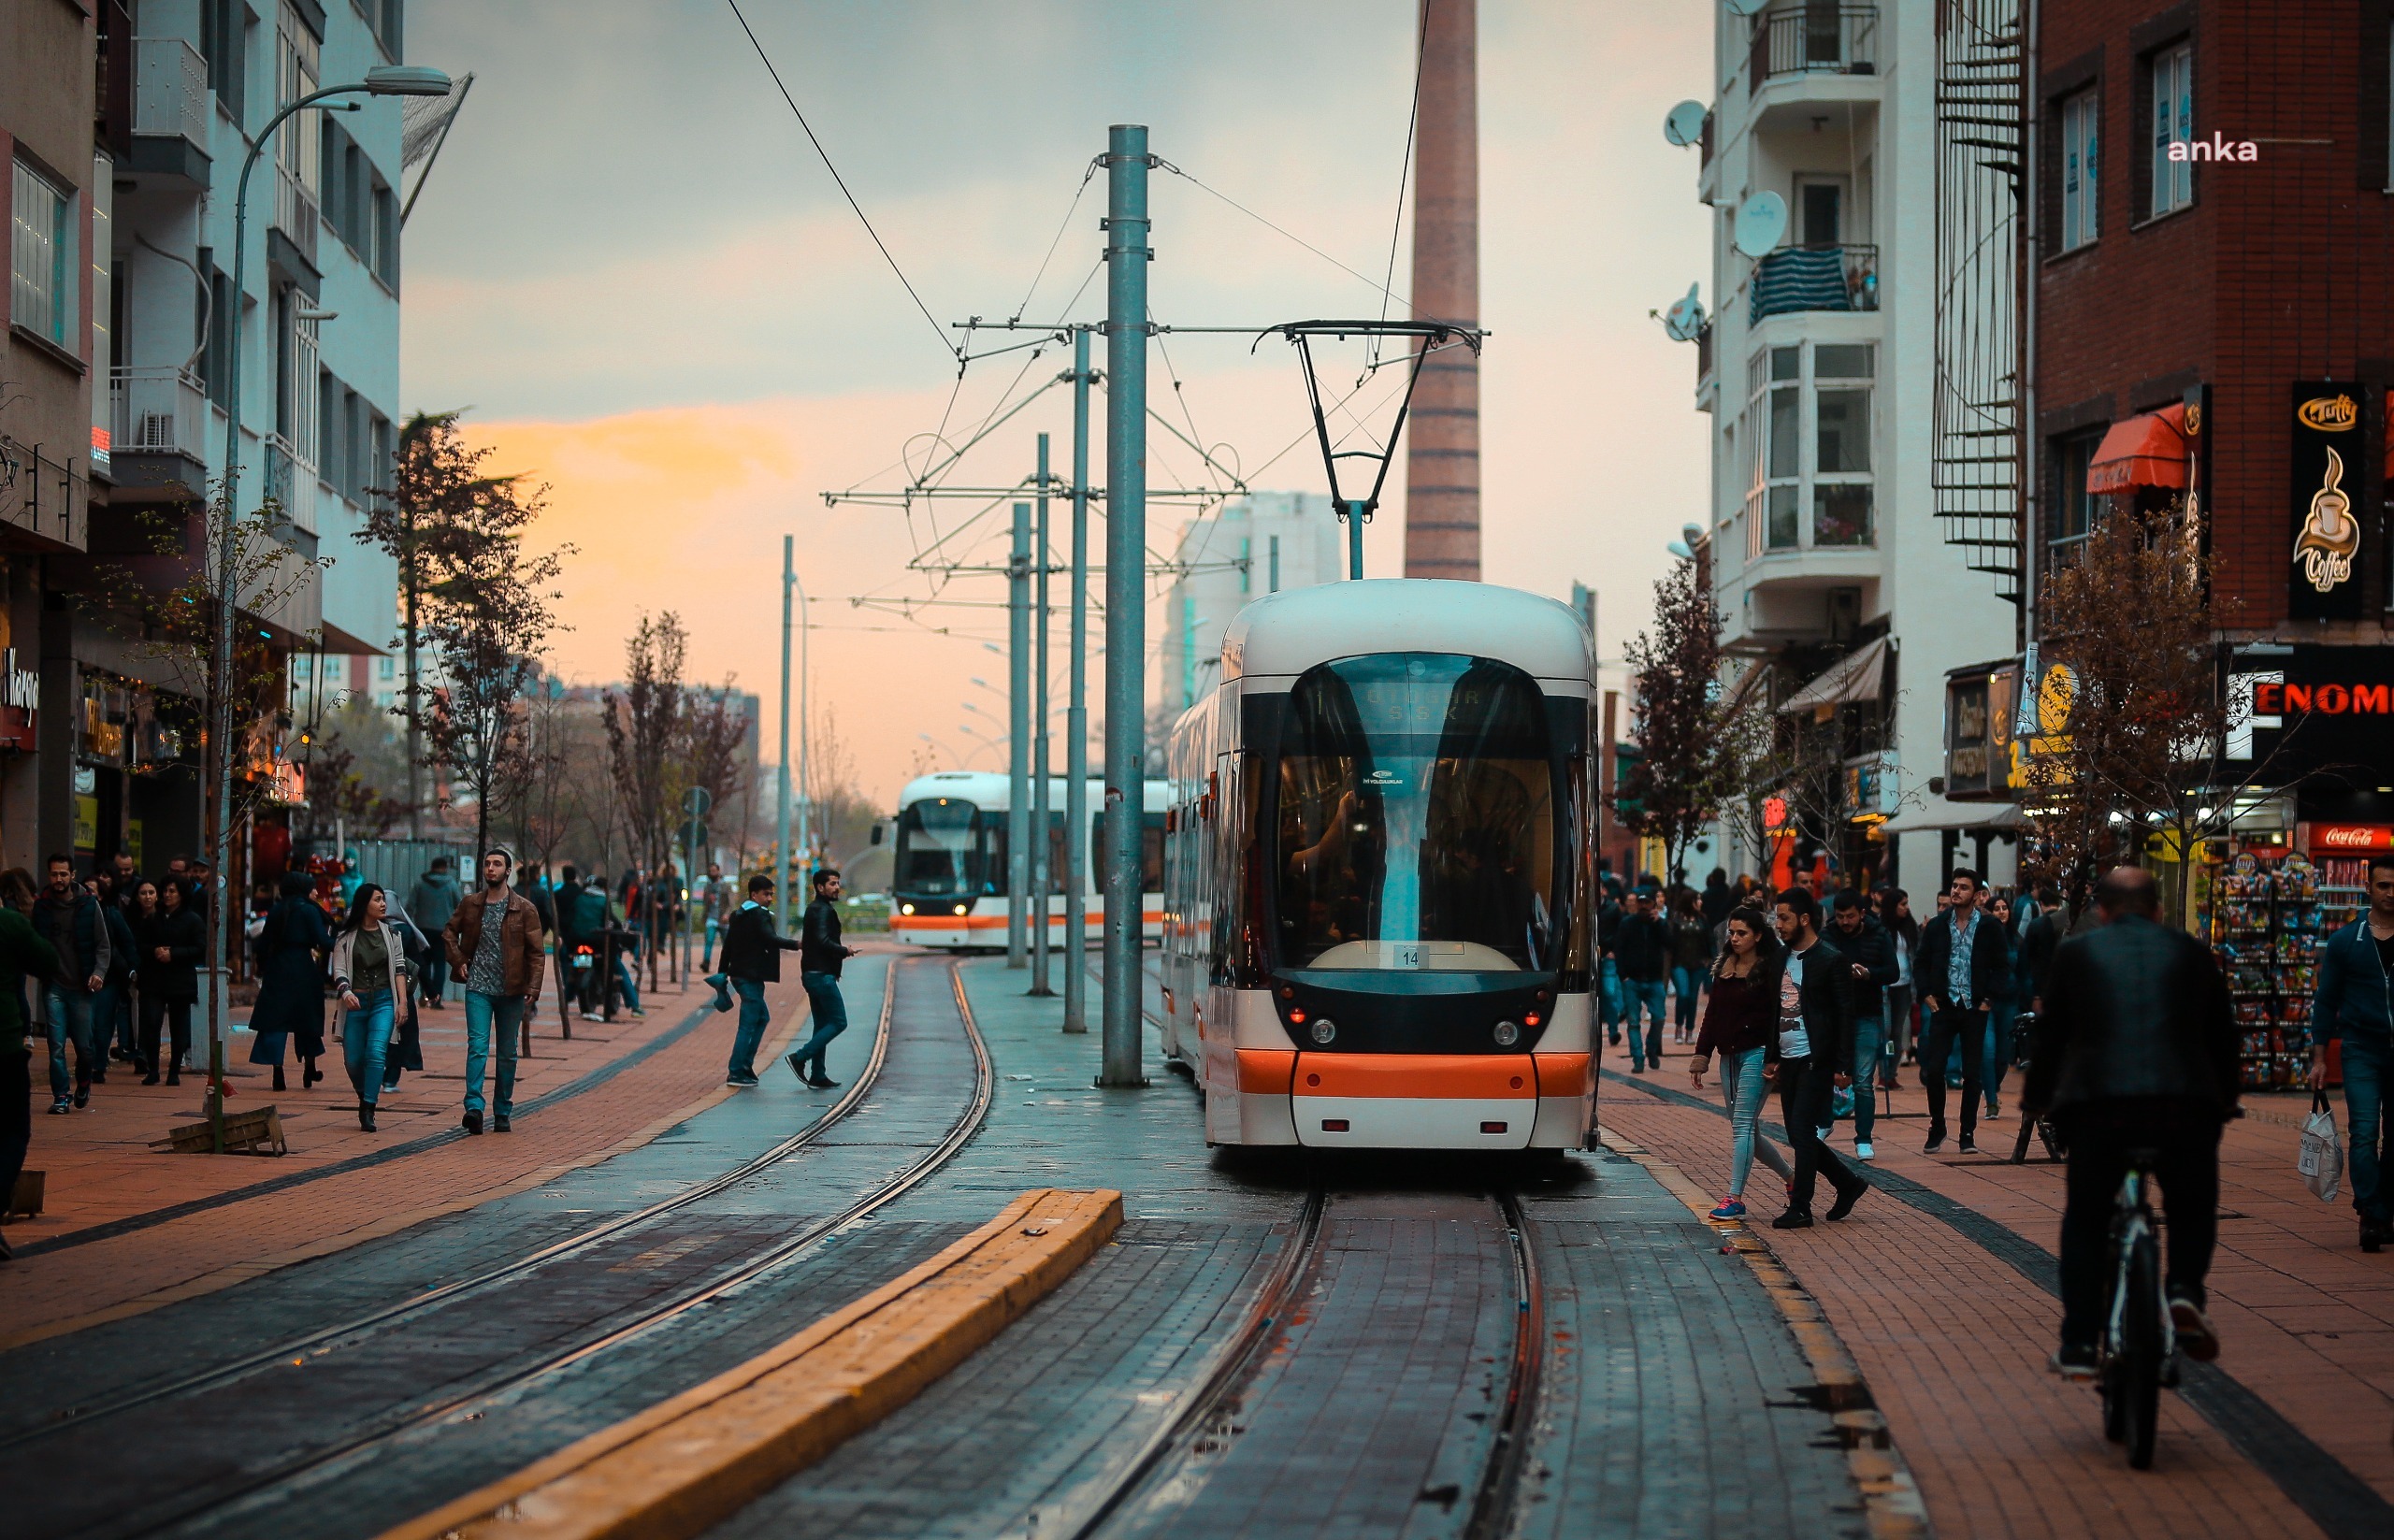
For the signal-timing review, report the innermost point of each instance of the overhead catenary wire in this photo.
(1403, 172)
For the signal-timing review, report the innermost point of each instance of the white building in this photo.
(1259, 544)
(1818, 371)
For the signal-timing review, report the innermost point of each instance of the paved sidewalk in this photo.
(1941, 1286)
(126, 1228)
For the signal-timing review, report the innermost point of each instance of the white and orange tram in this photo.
(1378, 874)
(949, 885)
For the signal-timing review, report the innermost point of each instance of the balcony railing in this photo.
(1816, 278)
(291, 482)
(1798, 39)
(158, 408)
(295, 213)
(169, 89)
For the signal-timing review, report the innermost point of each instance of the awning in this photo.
(2148, 449)
(1963, 816)
(1857, 676)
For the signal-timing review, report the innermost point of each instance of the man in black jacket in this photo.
(752, 959)
(69, 918)
(1641, 950)
(818, 969)
(1871, 953)
(2135, 1050)
(1814, 1054)
(1959, 974)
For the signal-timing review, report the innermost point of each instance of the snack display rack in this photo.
(2266, 914)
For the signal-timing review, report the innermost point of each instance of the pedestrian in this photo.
(1609, 917)
(2037, 941)
(752, 959)
(1871, 954)
(2353, 1006)
(818, 970)
(406, 1051)
(292, 948)
(433, 902)
(69, 918)
(171, 941)
(714, 906)
(1741, 1015)
(1692, 953)
(1717, 900)
(112, 1007)
(2136, 1052)
(2003, 1006)
(23, 956)
(1815, 1049)
(1963, 960)
(368, 970)
(501, 965)
(1902, 997)
(1642, 953)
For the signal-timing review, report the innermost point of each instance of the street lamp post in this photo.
(382, 81)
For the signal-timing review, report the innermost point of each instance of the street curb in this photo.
(689, 1463)
(1891, 1497)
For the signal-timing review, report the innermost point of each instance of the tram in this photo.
(1378, 874)
(949, 888)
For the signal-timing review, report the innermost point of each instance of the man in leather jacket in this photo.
(2135, 1050)
(1815, 1056)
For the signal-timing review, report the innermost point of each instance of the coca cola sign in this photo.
(2350, 839)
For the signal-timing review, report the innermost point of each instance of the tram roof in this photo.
(1284, 634)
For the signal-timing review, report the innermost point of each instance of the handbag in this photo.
(2321, 1161)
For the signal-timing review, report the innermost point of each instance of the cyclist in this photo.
(2135, 1050)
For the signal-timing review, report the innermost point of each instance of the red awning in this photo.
(2149, 450)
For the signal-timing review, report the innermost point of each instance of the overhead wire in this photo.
(1166, 165)
(1403, 173)
(1095, 161)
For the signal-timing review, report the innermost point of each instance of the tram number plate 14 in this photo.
(1406, 954)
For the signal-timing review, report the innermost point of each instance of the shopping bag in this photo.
(1841, 1101)
(2322, 1160)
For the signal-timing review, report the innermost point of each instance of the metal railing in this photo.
(169, 89)
(1815, 278)
(295, 213)
(291, 482)
(157, 408)
(1799, 40)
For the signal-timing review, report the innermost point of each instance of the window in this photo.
(223, 38)
(2074, 508)
(296, 71)
(1820, 206)
(2080, 167)
(386, 253)
(2173, 125)
(383, 668)
(1842, 483)
(44, 294)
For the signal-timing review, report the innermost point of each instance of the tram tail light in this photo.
(1336, 1124)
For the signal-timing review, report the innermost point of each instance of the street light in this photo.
(382, 81)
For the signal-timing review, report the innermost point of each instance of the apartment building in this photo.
(1254, 545)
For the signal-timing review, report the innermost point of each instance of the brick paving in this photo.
(1952, 1337)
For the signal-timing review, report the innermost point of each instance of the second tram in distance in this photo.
(1379, 875)
(949, 885)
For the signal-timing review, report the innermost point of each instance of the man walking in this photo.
(493, 941)
(69, 918)
(1814, 1052)
(818, 969)
(2355, 1006)
(1871, 954)
(23, 954)
(752, 959)
(1961, 970)
(2135, 1051)
(714, 906)
(431, 906)
(1642, 952)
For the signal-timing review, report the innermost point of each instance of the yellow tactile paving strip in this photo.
(689, 1463)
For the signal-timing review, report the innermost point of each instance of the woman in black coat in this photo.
(291, 980)
(169, 939)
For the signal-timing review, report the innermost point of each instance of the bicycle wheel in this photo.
(2142, 1345)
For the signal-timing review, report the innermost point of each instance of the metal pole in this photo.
(1076, 717)
(806, 830)
(1040, 818)
(1127, 255)
(1275, 565)
(1018, 741)
(781, 834)
(1354, 515)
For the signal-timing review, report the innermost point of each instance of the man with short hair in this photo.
(1642, 953)
(2355, 1007)
(752, 959)
(69, 918)
(1815, 1049)
(1872, 954)
(2135, 1052)
(493, 941)
(430, 906)
(818, 970)
(1963, 959)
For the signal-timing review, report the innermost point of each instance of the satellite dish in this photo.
(1679, 549)
(1746, 7)
(1692, 533)
(1685, 318)
(1685, 124)
(1761, 220)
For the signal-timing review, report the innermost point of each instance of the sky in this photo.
(638, 277)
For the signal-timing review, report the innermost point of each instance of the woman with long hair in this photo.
(172, 941)
(367, 967)
(1741, 1024)
(1691, 955)
(291, 979)
(1903, 932)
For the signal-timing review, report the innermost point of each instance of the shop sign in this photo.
(2329, 470)
(1983, 754)
(20, 703)
(2317, 708)
(2345, 839)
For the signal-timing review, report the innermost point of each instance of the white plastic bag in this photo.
(2322, 1160)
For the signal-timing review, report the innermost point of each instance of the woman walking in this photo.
(291, 980)
(366, 967)
(2005, 1009)
(171, 940)
(1741, 1024)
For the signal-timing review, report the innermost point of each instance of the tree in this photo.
(713, 732)
(355, 755)
(644, 731)
(1685, 765)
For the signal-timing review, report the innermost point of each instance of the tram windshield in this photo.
(944, 852)
(1416, 818)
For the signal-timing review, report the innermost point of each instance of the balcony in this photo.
(1815, 277)
(1814, 38)
(169, 112)
(290, 482)
(296, 222)
(161, 410)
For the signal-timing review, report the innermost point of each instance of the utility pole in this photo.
(1018, 893)
(781, 835)
(1040, 820)
(1076, 716)
(1127, 255)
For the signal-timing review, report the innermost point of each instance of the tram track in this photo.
(260, 1485)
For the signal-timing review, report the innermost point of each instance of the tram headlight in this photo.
(1325, 1030)
(963, 908)
(1506, 1034)
(905, 909)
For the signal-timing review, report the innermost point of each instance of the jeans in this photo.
(753, 1020)
(1805, 1087)
(1744, 1087)
(484, 1012)
(830, 1020)
(627, 971)
(70, 1021)
(435, 981)
(2365, 1066)
(1945, 1029)
(1684, 983)
(706, 952)
(1646, 996)
(1870, 1049)
(2185, 1140)
(365, 1040)
(1608, 999)
(1899, 1023)
(1999, 1045)
(158, 1013)
(112, 1020)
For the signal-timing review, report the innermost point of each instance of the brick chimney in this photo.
(1442, 455)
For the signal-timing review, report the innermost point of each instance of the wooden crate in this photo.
(31, 1189)
(258, 1131)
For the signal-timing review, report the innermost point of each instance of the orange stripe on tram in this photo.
(1423, 1076)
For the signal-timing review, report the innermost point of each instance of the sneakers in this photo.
(1795, 1219)
(2073, 1361)
(795, 1068)
(62, 1105)
(2196, 1338)
(473, 1121)
(721, 987)
(500, 1125)
(2372, 1233)
(1862, 1149)
(824, 1083)
(1994, 1108)
(1936, 1142)
(1730, 1209)
(83, 1094)
(366, 1117)
(1846, 1199)
(1967, 1146)
(741, 1081)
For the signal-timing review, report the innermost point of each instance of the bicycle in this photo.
(2137, 1353)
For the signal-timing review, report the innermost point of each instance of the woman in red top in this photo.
(1741, 1016)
